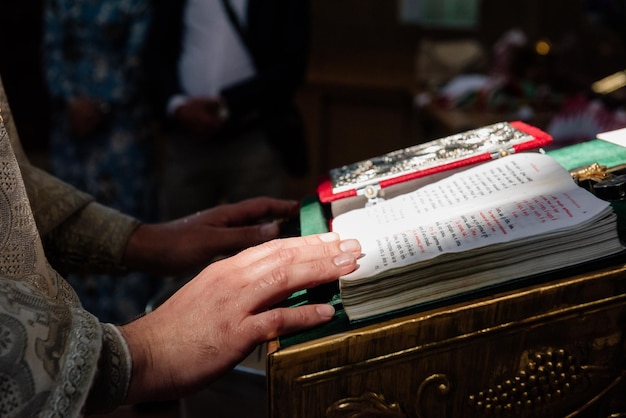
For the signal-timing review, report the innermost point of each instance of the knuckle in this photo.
(277, 319)
(319, 269)
(286, 255)
(272, 325)
(273, 245)
(279, 277)
(329, 251)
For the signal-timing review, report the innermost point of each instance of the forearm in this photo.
(52, 201)
(93, 239)
(150, 248)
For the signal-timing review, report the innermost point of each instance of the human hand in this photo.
(199, 116)
(190, 243)
(219, 317)
(85, 116)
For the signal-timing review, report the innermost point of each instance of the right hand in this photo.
(219, 317)
(199, 116)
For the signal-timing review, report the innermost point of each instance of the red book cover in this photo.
(434, 157)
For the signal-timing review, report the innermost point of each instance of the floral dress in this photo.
(93, 49)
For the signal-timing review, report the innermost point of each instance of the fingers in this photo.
(286, 267)
(253, 210)
(236, 238)
(302, 245)
(282, 321)
(249, 222)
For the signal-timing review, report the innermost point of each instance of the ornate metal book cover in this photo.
(448, 153)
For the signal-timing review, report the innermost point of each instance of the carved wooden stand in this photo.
(556, 349)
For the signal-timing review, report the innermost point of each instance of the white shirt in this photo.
(213, 56)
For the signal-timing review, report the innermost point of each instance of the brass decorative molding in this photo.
(617, 381)
(368, 405)
(442, 390)
(594, 171)
(547, 377)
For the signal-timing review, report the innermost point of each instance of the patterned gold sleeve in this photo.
(56, 358)
(51, 200)
(91, 240)
(50, 347)
(78, 233)
(74, 228)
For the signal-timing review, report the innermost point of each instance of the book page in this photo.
(487, 181)
(509, 199)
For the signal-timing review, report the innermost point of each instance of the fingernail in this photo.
(349, 245)
(344, 259)
(329, 237)
(325, 311)
(269, 230)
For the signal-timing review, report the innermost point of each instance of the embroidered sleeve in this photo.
(91, 240)
(49, 350)
(114, 370)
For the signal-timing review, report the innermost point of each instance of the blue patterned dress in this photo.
(93, 49)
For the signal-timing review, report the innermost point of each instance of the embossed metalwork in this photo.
(497, 139)
(595, 172)
(442, 386)
(368, 405)
(547, 377)
(581, 313)
(611, 386)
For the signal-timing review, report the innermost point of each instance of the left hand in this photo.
(190, 243)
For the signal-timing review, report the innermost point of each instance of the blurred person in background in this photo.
(102, 137)
(224, 74)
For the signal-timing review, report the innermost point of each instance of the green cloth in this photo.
(585, 153)
(312, 219)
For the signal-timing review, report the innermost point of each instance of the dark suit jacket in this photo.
(278, 33)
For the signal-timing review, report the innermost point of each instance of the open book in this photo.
(513, 217)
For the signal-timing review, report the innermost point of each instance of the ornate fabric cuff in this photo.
(110, 387)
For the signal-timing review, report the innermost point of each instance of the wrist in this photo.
(138, 251)
(158, 365)
(149, 249)
(142, 386)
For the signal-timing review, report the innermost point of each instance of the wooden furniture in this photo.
(552, 349)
